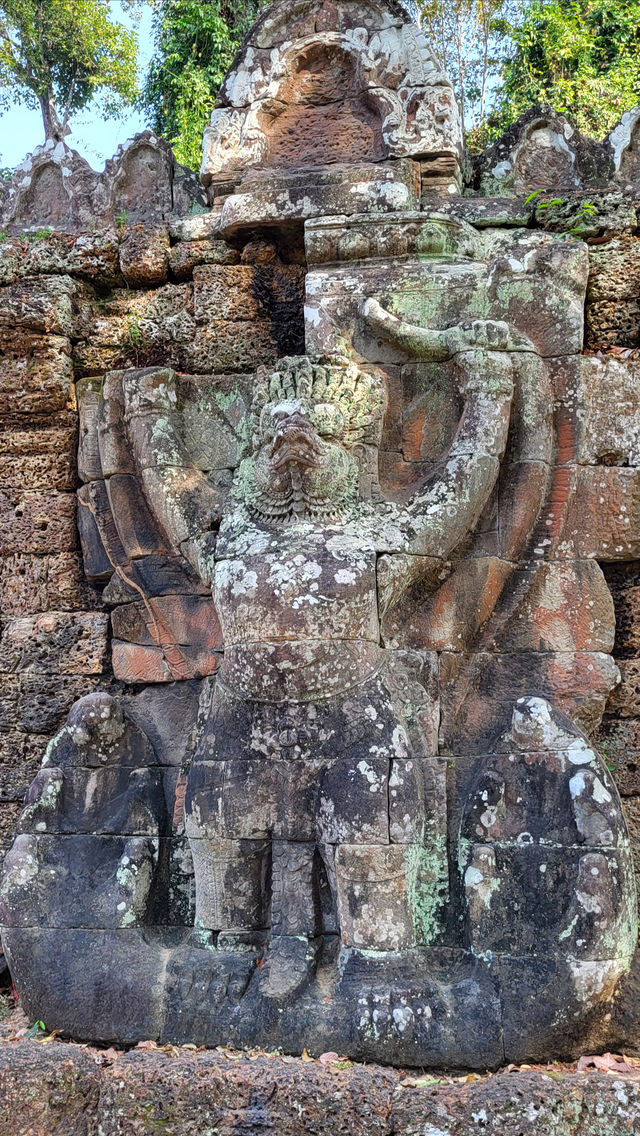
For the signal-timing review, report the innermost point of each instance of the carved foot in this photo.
(289, 967)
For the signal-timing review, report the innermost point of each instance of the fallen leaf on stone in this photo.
(190, 1045)
(107, 1056)
(147, 1045)
(305, 1056)
(327, 1058)
(230, 1054)
(609, 1063)
(419, 1082)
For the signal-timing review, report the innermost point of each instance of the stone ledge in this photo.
(57, 1088)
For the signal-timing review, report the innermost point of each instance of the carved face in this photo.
(311, 420)
(301, 470)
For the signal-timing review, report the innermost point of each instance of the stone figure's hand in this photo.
(486, 335)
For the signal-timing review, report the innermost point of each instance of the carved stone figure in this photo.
(340, 793)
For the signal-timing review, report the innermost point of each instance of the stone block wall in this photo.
(81, 296)
(75, 303)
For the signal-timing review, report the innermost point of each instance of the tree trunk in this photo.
(53, 128)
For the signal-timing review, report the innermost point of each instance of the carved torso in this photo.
(298, 609)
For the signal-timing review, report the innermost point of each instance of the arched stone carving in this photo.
(542, 150)
(388, 79)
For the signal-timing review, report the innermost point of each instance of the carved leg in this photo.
(230, 883)
(388, 895)
(294, 907)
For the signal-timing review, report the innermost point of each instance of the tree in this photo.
(583, 58)
(60, 54)
(195, 41)
(470, 39)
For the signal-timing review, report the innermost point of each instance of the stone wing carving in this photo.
(157, 451)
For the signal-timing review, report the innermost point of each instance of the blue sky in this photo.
(21, 129)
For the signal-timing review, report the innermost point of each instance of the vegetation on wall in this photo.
(583, 58)
(195, 41)
(62, 54)
(580, 57)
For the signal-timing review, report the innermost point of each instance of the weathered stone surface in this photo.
(187, 254)
(35, 374)
(601, 519)
(316, 564)
(313, 100)
(41, 459)
(612, 312)
(144, 256)
(619, 742)
(91, 256)
(55, 187)
(47, 306)
(542, 150)
(55, 642)
(59, 1088)
(586, 215)
(38, 523)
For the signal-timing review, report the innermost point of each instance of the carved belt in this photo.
(304, 671)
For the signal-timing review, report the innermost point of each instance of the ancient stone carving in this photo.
(341, 792)
(363, 85)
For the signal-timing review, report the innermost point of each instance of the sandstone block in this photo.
(137, 529)
(35, 374)
(144, 256)
(187, 255)
(44, 700)
(186, 620)
(623, 581)
(39, 523)
(133, 663)
(20, 758)
(246, 292)
(39, 459)
(46, 305)
(91, 256)
(611, 425)
(229, 345)
(88, 395)
(618, 740)
(55, 643)
(603, 515)
(614, 271)
(569, 608)
(477, 695)
(612, 323)
(31, 584)
(625, 697)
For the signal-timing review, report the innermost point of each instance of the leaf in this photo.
(305, 1056)
(609, 1063)
(419, 1082)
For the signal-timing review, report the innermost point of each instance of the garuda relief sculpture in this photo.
(390, 836)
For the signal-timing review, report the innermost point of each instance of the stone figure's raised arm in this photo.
(447, 507)
(183, 500)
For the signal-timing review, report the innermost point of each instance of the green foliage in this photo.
(195, 41)
(470, 38)
(582, 58)
(61, 54)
